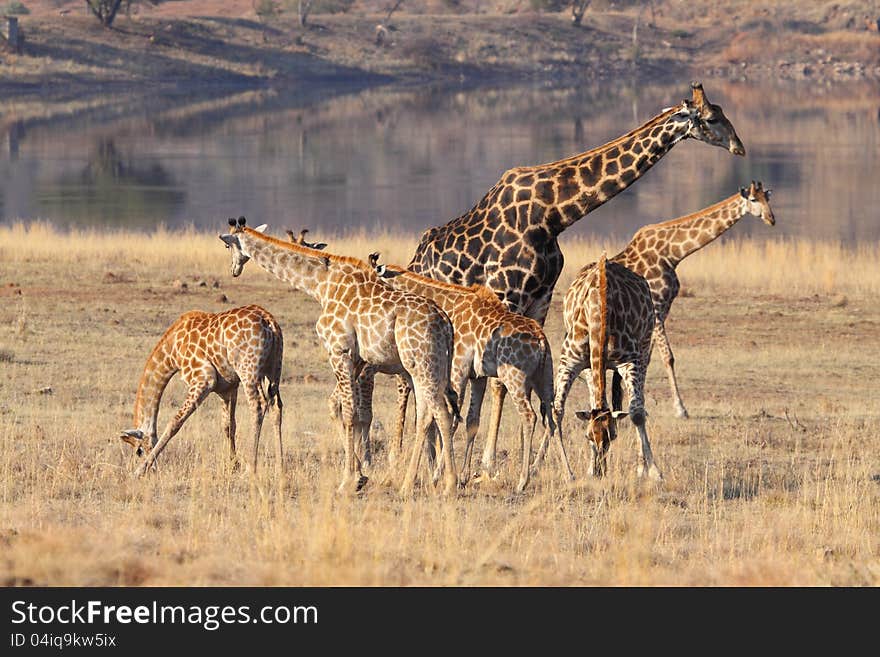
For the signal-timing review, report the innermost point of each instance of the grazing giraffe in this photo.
(365, 322)
(655, 251)
(609, 320)
(489, 341)
(214, 352)
(508, 240)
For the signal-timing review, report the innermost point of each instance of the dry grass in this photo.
(774, 481)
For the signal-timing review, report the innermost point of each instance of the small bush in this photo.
(15, 8)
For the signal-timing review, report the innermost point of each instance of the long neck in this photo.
(442, 295)
(571, 188)
(294, 265)
(599, 337)
(677, 239)
(160, 367)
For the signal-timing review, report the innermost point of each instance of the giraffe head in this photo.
(601, 431)
(757, 202)
(709, 124)
(141, 443)
(301, 239)
(233, 242)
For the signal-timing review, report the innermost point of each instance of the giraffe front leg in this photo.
(662, 342)
(200, 386)
(515, 382)
(633, 375)
(364, 387)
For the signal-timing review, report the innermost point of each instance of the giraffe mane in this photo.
(479, 290)
(309, 252)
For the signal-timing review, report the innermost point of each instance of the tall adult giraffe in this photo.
(656, 250)
(508, 241)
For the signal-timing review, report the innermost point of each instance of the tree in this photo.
(104, 10)
(578, 7)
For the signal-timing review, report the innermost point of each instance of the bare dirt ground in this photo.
(213, 42)
(775, 480)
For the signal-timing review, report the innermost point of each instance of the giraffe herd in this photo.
(468, 309)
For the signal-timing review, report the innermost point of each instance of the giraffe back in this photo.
(628, 312)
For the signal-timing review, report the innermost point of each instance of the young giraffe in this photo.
(490, 341)
(365, 322)
(301, 239)
(214, 352)
(655, 251)
(609, 320)
(508, 241)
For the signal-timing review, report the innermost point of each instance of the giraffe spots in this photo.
(571, 213)
(626, 160)
(510, 216)
(525, 180)
(611, 168)
(523, 195)
(506, 197)
(627, 177)
(608, 189)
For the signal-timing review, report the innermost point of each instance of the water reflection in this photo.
(407, 159)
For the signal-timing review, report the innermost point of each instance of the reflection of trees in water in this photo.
(113, 190)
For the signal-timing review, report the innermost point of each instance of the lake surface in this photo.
(408, 159)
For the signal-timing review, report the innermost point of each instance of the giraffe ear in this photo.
(261, 228)
(242, 221)
(231, 221)
(582, 415)
(619, 414)
(743, 192)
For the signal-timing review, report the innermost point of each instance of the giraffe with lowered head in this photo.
(508, 240)
(609, 320)
(655, 251)
(214, 352)
(365, 322)
(490, 341)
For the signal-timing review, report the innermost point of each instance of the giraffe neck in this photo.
(573, 187)
(444, 295)
(296, 265)
(680, 237)
(160, 367)
(598, 345)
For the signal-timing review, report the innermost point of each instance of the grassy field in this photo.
(775, 480)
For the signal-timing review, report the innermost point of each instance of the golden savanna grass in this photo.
(773, 481)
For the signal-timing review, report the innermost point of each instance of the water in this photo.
(407, 159)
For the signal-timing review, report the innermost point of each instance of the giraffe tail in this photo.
(545, 384)
(452, 403)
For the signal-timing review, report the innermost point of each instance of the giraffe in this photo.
(655, 251)
(609, 320)
(489, 341)
(214, 352)
(301, 239)
(508, 240)
(365, 322)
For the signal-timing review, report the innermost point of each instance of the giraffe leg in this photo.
(200, 386)
(423, 419)
(365, 384)
(259, 405)
(498, 394)
(459, 380)
(276, 395)
(633, 375)
(403, 390)
(662, 342)
(517, 385)
(229, 400)
(478, 390)
(443, 423)
(343, 368)
(569, 368)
